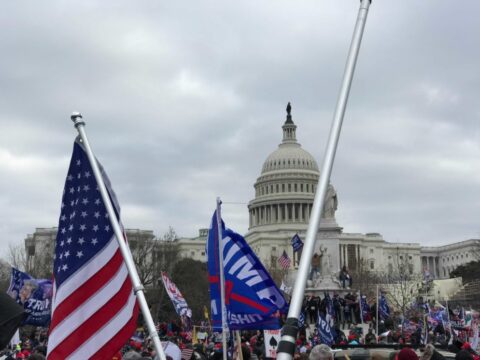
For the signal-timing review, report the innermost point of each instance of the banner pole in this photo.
(239, 345)
(222, 279)
(124, 249)
(377, 319)
(286, 347)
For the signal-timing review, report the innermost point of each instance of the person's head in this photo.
(428, 352)
(463, 355)
(407, 354)
(321, 352)
(132, 355)
(29, 286)
(360, 354)
(36, 357)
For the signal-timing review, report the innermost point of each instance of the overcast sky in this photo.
(185, 100)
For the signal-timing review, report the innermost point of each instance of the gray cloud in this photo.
(184, 101)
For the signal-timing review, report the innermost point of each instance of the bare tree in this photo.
(143, 253)
(4, 275)
(404, 285)
(153, 255)
(365, 279)
(39, 265)
(17, 256)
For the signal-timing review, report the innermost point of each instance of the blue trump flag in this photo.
(297, 243)
(252, 299)
(365, 307)
(34, 295)
(327, 334)
(383, 309)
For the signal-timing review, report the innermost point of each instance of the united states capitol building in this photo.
(281, 208)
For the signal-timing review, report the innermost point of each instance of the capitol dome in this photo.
(289, 155)
(285, 189)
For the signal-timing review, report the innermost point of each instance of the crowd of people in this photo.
(345, 314)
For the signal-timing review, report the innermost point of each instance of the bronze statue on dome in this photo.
(289, 108)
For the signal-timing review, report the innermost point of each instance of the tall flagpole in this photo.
(286, 348)
(127, 256)
(222, 279)
(378, 320)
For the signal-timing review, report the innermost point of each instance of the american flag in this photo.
(187, 353)
(94, 310)
(284, 261)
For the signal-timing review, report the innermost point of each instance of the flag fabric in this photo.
(284, 261)
(297, 243)
(252, 299)
(325, 331)
(178, 301)
(301, 319)
(365, 308)
(94, 309)
(35, 295)
(286, 289)
(186, 353)
(384, 309)
(329, 305)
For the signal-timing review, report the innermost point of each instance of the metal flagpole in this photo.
(127, 256)
(222, 279)
(378, 320)
(286, 347)
(360, 306)
(239, 345)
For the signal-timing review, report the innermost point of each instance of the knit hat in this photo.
(407, 354)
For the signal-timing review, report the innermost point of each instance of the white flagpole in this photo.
(124, 249)
(239, 345)
(222, 279)
(286, 348)
(377, 318)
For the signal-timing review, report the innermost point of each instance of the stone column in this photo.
(435, 275)
(278, 213)
(346, 255)
(358, 257)
(293, 212)
(301, 213)
(341, 255)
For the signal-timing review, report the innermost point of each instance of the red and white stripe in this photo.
(94, 312)
(284, 261)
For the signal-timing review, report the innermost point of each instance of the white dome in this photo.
(289, 156)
